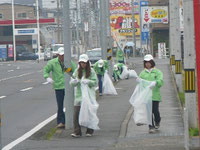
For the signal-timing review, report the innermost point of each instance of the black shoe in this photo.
(157, 125)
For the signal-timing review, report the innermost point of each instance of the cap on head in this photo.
(83, 58)
(61, 51)
(148, 57)
(100, 63)
(115, 67)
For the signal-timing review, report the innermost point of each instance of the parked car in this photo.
(48, 54)
(27, 56)
(54, 49)
(94, 55)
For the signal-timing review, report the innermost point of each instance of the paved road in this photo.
(25, 100)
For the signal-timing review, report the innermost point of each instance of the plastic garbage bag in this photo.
(132, 74)
(108, 87)
(88, 111)
(141, 100)
(125, 73)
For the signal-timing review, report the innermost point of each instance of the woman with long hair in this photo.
(83, 75)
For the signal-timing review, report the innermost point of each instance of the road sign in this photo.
(26, 31)
(3, 52)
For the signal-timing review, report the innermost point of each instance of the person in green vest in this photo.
(100, 67)
(117, 70)
(84, 74)
(150, 73)
(56, 68)
(120, 56)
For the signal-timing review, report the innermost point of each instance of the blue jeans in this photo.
(60, 100)
(100, 83)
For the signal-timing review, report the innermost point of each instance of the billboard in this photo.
(154, 14)
(123, 24)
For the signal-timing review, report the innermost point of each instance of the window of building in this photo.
(21, 15)
(1, 16)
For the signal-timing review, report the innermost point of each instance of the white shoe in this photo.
(152, 130)
(75, 135)
(88, 135)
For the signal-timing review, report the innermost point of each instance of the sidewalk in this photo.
(118, 131)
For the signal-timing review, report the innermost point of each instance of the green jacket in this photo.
(93, 83)
(57, 73)
(154, 75)
(99, 70)
(120, 55)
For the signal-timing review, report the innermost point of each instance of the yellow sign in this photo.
(159, 13)
(123, 24)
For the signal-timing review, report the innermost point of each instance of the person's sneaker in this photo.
(60, 126)
(75, 135)
(100, 94)
(157, 125)
(151, 130)
(88, 135)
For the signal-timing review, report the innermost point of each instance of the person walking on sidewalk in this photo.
(84, 74)
(56, 67)
(151, 73)
(120, 55)
(100, 67)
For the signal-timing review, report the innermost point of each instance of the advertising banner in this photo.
(161, 50)
(120, 7)
(10, 50)
(3, 52)
(123, 24)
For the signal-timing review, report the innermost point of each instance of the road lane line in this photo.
(16, 76)
(26, 89)
(30, 133)
(1, 97)
(10, 70)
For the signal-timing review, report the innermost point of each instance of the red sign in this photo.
(10, 50)
(27, 21)
(196, 6)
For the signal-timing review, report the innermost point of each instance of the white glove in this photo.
(74, 81)
(152, 85)
(49, 80)
(138, 79)
(85, 81)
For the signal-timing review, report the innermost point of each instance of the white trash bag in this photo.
(125, 73)
(108, 87)
(132, 74)
(141, 100)
(88, 111)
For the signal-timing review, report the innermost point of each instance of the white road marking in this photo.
(28, 134)
(16, 76)
(26, 89)
(1, 97)
(10, 70)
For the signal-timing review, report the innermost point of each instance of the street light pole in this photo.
(38, 29)
(69, 105)
(133, 27)
(13, 25)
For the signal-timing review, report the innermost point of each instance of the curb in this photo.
(124, 124)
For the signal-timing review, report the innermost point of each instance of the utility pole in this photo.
(172, 34)
(103, 21)
(109, 41)
(69, 98)
(177, 46)
(90, 29)
(133, 28)
(38, 29)
(189, 62)
(58, 22)
(77, 28)
(13, 27)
